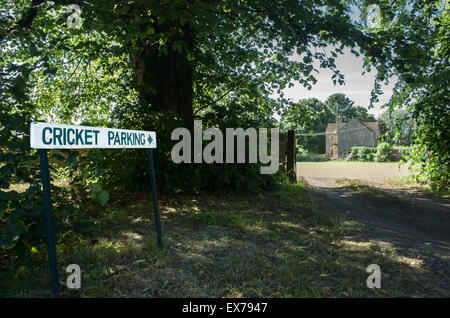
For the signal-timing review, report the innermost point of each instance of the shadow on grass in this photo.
(275, 244)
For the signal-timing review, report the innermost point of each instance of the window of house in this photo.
(361, 136)
(332, 138)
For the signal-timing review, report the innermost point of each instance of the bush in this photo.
(22, 228)
(362, 154)
(128, 168)
(367, 153)
(354, 154)
(383, 152)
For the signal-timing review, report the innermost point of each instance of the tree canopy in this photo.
(188, 57)
(397, 127)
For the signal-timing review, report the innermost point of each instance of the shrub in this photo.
(361, 154)
(354, 154)
(22, 228)
(383, 152)
(128, 168)
(367, 153)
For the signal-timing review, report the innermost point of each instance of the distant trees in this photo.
(339, 103)
(309, 116)
(359, 112)
(343, 106)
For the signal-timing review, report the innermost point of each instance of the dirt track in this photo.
(369, 171)
(417, 223)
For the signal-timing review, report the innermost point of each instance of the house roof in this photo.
(372, 125)
(331, 128)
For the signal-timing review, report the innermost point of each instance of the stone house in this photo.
(340, 137)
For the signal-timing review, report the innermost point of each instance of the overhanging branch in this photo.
(213, 102)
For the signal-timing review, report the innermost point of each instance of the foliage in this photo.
(226, 50)
(415, 37)
(397, 127)
(22, 231)
(339, 103)
(358, 112)
(130, 166)
(404, 151)
(98, 194)
(383, 153)
(308, 116)
(362, 154)
(342, 105)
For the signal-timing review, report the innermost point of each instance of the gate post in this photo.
(155, 199)
(291, 160)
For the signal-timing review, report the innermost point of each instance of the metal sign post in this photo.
(45, 136)
(51, 245)
(155, 199)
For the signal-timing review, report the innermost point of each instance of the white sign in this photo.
(55, 136)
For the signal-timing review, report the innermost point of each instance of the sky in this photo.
(357, 87)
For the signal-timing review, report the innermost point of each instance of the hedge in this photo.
(382, 153)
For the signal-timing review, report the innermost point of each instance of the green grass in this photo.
(361, 187)
(309, 157)
(412, 183)
(275, 244)
(404, 181)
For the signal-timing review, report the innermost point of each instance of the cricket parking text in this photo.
(56, 136)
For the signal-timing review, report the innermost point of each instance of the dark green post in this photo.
(45, 173)
(155, 199)
(291, 162)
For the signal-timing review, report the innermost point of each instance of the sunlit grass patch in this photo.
(362, 187)
(404, 181)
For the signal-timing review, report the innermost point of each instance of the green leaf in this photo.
(98, 194)
(102, 197)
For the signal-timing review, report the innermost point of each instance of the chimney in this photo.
(338, 122)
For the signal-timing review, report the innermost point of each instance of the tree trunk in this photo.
(165, 78)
